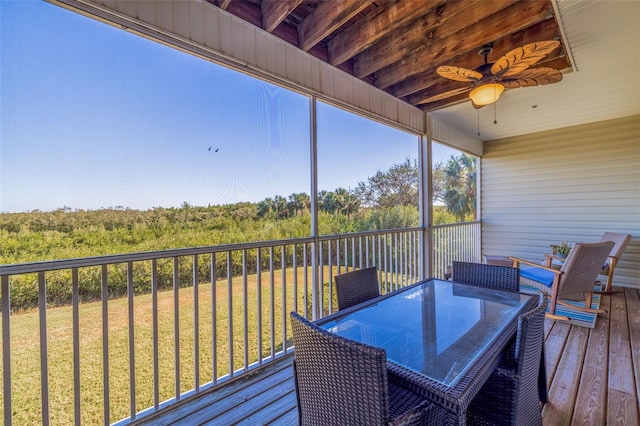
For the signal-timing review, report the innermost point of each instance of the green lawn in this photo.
(25, 348)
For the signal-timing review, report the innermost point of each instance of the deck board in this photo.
(622, 402)
(589, 409)
(562, 392)
(632, 297)
(593, 379)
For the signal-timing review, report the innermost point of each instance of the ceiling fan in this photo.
(489, 80)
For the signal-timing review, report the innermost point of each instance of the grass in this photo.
(25, 346)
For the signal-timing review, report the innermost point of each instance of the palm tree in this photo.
(280, 204)
(298, 203)
(266, 207)
(328, 201)
(460, 186)
(346, 202)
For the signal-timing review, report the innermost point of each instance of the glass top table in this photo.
(447, 336)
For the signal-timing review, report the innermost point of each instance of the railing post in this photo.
(6, 350)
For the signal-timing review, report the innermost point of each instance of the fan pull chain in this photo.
(478, 111)
(495, 108)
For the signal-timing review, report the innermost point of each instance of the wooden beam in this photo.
(514, 18)
(274, 12)
(326, 18)
(251, 13)
(454, 100)
(440, 22)
(546, 30)
(389, 15)
(223, 4)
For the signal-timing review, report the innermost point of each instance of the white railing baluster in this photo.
(393, 255)
(354, 265)
(75, 312)
(245, 313)
(272, 305)
(283, 284)
(196, 325)
(259, 301)
(214, 320)
(318, 289)
(379, 263)
(154, 321)
(132, 344)
(330, 273)
(345, 242)
(305, 297)
(294, 266)
(44, 365)
(105, 342)
(176, 327)
(230, 311)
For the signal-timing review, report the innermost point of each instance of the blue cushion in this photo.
(537, 274)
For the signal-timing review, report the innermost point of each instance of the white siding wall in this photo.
(570, 184)
(453, 137)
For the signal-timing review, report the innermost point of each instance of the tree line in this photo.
(387, 200)
(454, 185)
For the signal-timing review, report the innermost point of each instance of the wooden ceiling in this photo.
(397, 45)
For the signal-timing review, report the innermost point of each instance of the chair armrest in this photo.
(517, 261)
(553, 256)
(402, 377)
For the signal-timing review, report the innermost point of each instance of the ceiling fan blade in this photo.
(521, 58)
(458, 74)
(445, 95)
(533, 77)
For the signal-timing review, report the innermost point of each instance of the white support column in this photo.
(426, 200)
(313, 132)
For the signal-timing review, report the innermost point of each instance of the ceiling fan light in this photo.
(486, 94)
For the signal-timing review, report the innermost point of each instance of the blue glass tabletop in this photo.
(436, 328)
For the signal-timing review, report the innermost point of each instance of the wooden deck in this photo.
(594, 379)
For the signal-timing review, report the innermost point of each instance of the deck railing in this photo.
(459, 241)
(170, 324)
(189, 319)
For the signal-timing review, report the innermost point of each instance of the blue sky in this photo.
(93, 117)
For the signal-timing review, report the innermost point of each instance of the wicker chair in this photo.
(489, 276)
(510, 396)
(573, 280)
(343, 382)
(621, 241)
(356, 286)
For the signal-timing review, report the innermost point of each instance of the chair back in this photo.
(356, 286)
(620, 240)
(338, 381)
(582, 267)
(495, 277)
(528, 352)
